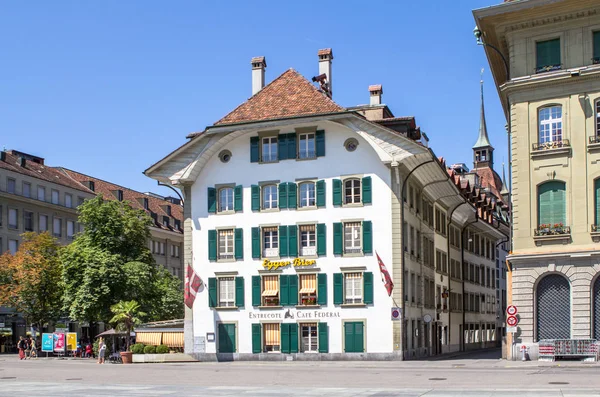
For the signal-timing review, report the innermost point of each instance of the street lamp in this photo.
(479, 37)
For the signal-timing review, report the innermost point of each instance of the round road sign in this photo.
(427, 318)
(511, 310)
(511, 321)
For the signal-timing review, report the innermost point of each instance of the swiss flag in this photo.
(193, 282)
(387, 279)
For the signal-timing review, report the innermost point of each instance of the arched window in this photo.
(352, 191)
(226, 199)
(552, 205)
(553, 308)
(307, 194)
(550, 124)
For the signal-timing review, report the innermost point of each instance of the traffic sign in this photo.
(511, 310)
(511, 330)
(396, 314)
(512, 321)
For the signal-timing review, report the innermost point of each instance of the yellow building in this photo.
(545, 59)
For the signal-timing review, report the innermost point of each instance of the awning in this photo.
(270, 292)
(149, 338)
(307, 290)
(172, 339)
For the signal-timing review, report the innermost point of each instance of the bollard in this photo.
(524, 351)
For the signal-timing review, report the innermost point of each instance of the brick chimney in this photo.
(259, 64)
(325, 58)
(375, 91)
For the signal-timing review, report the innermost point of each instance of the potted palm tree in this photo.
(126, 315)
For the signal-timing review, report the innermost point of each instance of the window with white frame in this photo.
(13, 218)
(270, 242)
(306, 146)
(68, 200)
(269, 149)
(27, 189)
(175, 251)
(226, 199)
(43, 223)
(161, 246)
(352, 191)
(307, 194)
(41, 193)
(13, 246)
(226, 292)
(308, 289)
(550, 124)
(353, 288)
(270, 290)
(352, 237)
(308, 240)
(57, 227)
(269, 197)
(55, 196)
(271, 337)
(226, 243)
(70, 229)
(309, 338)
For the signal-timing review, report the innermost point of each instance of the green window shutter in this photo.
(256, 291)
(239, 291)
(283, 195)
(366, 190)
(367, 230)
(323, 338)
(322, 289)
(554, 52)
(239, 243)
(283, 241)
(254, 141)
(293, 290)
(293, 337)
(359, 335)
(284, 290)
(320, 194)
(212, 245)
(255, 193)
(293, 241)
(597, 44)
(548, 53)
(212, 200)
(291, 146)
(338, 288)
(320, 143)
(349, 337)
(552, 203)
(282, 147)
(368, 288)
(256, 242)
(256, 338)
(597, 199)
(338, 238)
(223, 339)
(212, 292)
(238, 198)
(337, 192)
(321, 239)
(285, 338)
(292, 195)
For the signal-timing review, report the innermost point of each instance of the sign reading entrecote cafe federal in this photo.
(292, 314)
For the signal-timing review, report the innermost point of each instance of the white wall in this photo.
(337, 163)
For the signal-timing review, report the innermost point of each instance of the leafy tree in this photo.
(31, 281)
(127, 315)
(170, 297)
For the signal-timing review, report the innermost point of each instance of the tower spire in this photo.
(482, 140)
(504, 190)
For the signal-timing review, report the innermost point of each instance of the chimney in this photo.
(22, 161)
(376, 91)
(325, 58)
(3, 156)
(259, 64)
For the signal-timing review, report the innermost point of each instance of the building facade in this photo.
(290, 201)
(551, 98)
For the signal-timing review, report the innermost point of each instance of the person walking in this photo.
(27, 348)
(101, 350)
(21, 346)
(33, 353)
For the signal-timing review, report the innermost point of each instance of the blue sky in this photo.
(110, 87)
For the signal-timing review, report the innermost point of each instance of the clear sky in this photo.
(109, 87)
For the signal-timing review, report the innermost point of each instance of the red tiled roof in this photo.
(375, 87)
(490, 179)
(289, 95)
(325, 51)
(40, 171)
(134, 198)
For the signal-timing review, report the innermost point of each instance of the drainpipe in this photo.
(462, 261)
(402, 267)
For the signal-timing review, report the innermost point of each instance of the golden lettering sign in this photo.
(298, 262)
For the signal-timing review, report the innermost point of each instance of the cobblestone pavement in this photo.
(477, 375)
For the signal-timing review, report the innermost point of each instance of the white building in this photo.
(288, 199)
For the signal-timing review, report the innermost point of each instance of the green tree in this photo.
(31, 280)
(126, 315)
(170, 296)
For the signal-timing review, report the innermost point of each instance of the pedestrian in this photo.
(89, 352)
(33, 353)
(101, 350)
(27, 348)
(21, 347)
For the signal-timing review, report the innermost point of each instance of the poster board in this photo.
(71, 341)
(59, 342)
(47, 343)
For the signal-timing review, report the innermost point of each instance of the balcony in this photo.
(547, 68)
(308, 251)
(594, 143)
(595, 232)
(558, 147)
(552, 233)
(596, 60)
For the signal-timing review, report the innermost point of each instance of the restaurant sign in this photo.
(298, 262)
(293, 314)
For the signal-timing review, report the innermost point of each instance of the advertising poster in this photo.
(47, 343)
(72, 341)
(59, 342)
